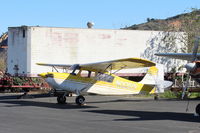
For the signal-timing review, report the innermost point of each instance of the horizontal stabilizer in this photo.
(155, 77)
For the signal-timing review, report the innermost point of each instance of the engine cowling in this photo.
(190, 66)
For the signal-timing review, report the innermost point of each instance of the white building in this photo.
(28, 45)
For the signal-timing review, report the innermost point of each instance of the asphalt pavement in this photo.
(101, 114)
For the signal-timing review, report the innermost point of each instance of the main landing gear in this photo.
(80, 100)
(61, 99)
(156, 97)
(198, 109)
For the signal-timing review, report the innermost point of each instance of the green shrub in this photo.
(170, 94)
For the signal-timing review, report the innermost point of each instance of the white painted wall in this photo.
(18, 51)
(71, 45)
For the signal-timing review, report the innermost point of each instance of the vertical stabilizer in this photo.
(155, 77)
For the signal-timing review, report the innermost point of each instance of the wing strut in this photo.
(53, 67)
(110, 65)
(119, 69)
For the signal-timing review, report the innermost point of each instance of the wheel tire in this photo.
(198, 109)
(156, 98)
(80, 100)
(61, 99)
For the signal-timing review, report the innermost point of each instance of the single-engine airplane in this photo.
(193, 66)
(97, 78)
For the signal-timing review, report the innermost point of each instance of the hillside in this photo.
(3, 51)
(3, 40)
(163, 24)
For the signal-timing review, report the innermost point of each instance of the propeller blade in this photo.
(195, 49)
(186, 86)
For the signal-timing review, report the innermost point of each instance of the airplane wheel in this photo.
(198, 109)
(156, 97)
(61, 99)
(80, 100)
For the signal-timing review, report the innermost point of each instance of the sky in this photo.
(105, 14)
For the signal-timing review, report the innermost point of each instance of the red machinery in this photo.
(19, 83)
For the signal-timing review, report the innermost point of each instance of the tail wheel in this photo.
(80, 100)
(198, 109)
(61, 99)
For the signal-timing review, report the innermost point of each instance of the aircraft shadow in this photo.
(120, 100)
(29, 96)
(8, 97)
(44, 104)
(148, 115)
(13, 101)
(140, 100)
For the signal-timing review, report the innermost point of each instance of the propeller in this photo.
(185, 86)
(191, 66)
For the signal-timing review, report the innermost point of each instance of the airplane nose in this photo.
(43, 75)
(46, 75)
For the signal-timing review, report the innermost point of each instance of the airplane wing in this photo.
(182, 56)
(60, 66)
(118, 64)
(103, 66)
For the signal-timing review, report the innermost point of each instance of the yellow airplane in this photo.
(97, 78)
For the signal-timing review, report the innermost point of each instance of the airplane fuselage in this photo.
(103, 84)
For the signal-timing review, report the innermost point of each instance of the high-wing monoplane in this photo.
(193, 65)
(98, 78)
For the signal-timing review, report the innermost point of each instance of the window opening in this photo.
(24, 33)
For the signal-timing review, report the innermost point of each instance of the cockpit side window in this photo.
(105, 77)
(98, 76)
(84, 73)
(87, 74)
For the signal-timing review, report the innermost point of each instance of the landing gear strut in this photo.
(198, 109)
(80, 100)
